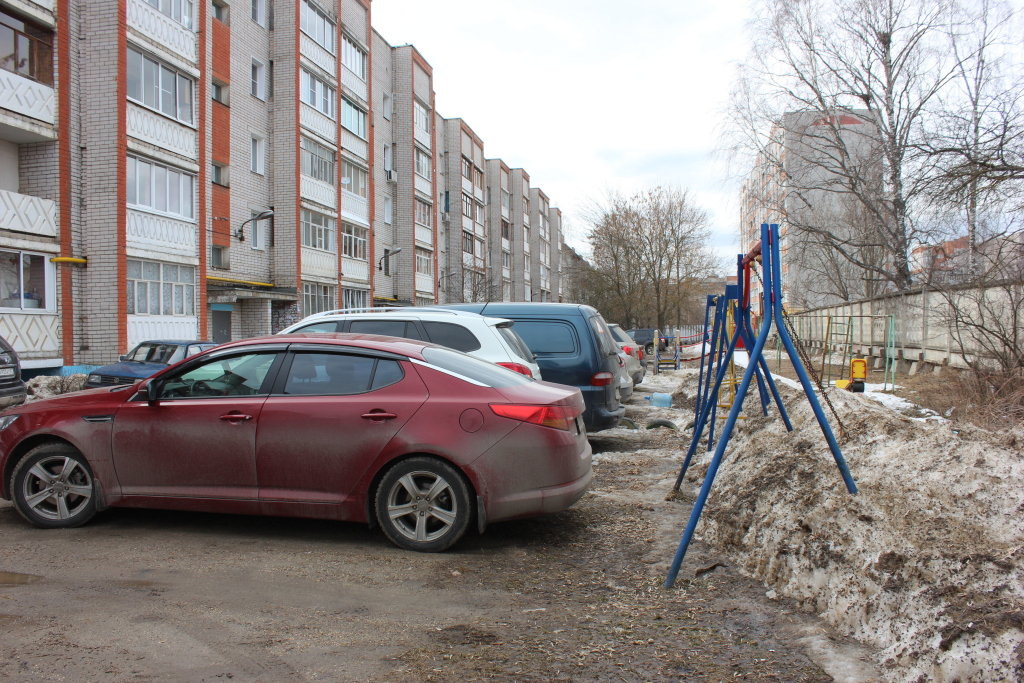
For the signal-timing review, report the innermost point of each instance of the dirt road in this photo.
(167, 596)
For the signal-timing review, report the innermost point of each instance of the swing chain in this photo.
(806, 361)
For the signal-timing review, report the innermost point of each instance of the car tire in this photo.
(409, 514)
(63, 473)
(649, 349)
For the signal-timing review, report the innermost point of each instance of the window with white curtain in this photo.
(160, 188)
(355, 298)
(160, 288)
(354, 241)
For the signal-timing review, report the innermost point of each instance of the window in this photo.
(181, 11)
(160, 288)
(353, 57)
(506, 230)
(159, 87)
(467, 206)
(387, 108)
(506, 260)
(424, 213)
(219, 257)
(481, 248)
(467, 169)
(422, 163)
(467, 242)
(526, 265)
(317, 298)
(25, 281)
(317, 26)
(451, 335)
(258, 154)
(424, 262)
(259, 79)
(478, 177)
(353, 241)
(220, 11)
(336, 374)
(316, 93)
(353, 119)
(259, 12)
(471, 367)
(506, 200)
(220, 93)
(547, 337)
(317, 161)
(355, 298)
(238, 376)
(387, 262)
(421, 117)
(388, 209)
(219, 174)
(318, 231)
(388, 328)
(261, 231)
(27, 49)
(358, 179)
(479, 213)
(159, 188)
(388, 158)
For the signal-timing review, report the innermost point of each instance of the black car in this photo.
(12, 388)
(646, 337)
(573, 346)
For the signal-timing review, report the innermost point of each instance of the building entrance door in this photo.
(221, 326)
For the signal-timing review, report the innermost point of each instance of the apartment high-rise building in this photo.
(219, 170)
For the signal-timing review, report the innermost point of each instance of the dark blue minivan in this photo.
(573, 346)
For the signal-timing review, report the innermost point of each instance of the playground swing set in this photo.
(731, 327)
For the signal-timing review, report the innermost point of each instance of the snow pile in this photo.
(924, 563)
(46, 386)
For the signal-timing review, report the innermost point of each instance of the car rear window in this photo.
(605, 342)
(451, 335)
(473, 368)
(547, 336)
(388, 328)
(519, 347)
(619, 335)
(330, 326)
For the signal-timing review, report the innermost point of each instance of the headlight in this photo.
(93, 379)
(7, 420)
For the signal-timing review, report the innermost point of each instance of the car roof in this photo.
(399, 345)
(507, 308)
(175, 341)
(382, 313)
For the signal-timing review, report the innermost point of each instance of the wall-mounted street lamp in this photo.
(380, 261)
(240, 233)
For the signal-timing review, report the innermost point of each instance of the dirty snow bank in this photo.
(46, 386)
(924, 563)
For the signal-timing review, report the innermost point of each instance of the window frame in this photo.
(184, 200)
(258, 87)
(350, 49)
(353, 118)
(322, 93)
(424, 256)
(353, 171)
(318, 163)
(259, 12)
(318, 297)
(49, 299)
(308, 12)
(258, 154)
(353, 244)
(423, 162)
(132, 289)
(315, 235)
(159, 67)
(42, 42)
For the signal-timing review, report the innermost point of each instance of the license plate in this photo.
(6, 372)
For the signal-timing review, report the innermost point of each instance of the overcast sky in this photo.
(586, 96)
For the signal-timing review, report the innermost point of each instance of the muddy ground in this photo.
(142, 595)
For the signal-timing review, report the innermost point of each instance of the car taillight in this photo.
(518, 367)
(628, 350)
(601, 379)
(558, 417)
(639, 353)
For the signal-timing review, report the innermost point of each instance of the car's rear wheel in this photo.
(649, 349)
(53, 487)
(423, 504)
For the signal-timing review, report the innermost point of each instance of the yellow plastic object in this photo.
(69, 259)
(843, 383)
(859, 368)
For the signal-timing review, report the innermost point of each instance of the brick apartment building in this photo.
(173, 169)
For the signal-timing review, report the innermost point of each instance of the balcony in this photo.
(504, 212)
(143, 327)
(312, 51)
(467, 224)
(160, 131)
(422, 137)
(467, 185)
(354, 269)
(354, 144)
(318, 191)
(478, 192)
(354, 83)
(425, 236)
(161, 234)
(314, 121)
(354, 207)
(27, 97)
(35, 336)
(319, 263)
(161, 29)
(425, 283)
(424, 185)
(25, 213)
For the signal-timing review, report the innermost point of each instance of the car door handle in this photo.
(236, 417)
(378, 416)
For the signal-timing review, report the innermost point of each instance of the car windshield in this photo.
(473, 368)
(151, 352)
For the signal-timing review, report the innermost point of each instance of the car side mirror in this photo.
(122, 358)
(150, 392)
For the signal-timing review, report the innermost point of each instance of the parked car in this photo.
(636, 367)
(646, 337)
(573, 346)
(625, 381)
(144, 360)
(492, 339)
(12, 387)
(422, 440)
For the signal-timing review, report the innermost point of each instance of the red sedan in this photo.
(419, 439)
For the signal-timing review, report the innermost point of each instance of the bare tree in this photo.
(648, 250)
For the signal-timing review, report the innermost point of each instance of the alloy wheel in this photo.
(57, 488)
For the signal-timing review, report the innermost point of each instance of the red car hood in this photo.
(89, 397)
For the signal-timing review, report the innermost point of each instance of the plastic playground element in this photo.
(767, 250)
